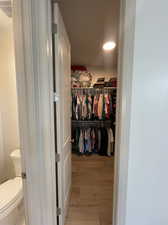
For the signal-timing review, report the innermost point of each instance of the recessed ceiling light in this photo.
(108, 46)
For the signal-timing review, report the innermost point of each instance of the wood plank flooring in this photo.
(92, 190)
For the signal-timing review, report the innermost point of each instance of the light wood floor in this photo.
(92, 190)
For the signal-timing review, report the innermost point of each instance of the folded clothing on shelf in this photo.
(111, 83)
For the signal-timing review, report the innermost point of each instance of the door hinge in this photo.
(58, 211)
(23, 175)
(54, 28)
(56, 97)
(57, 157)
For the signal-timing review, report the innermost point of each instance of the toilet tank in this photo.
(16, 159)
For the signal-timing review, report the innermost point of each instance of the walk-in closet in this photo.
(93, 37)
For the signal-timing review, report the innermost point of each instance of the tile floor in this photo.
(92, 190)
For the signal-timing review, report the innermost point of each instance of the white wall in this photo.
(147, 182)
(8, 98)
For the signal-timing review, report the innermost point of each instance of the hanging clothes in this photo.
(107, 106)
(74, 103)
(84, 107)
(100, 106)
(103, 109)
(99, 140)
(89, 107)
(81, 142)
(104, 142)
(111, 105)
(110, 142)
(92, 107)
(95, 106)
(94, 140)
(87, 141)
(78, 107)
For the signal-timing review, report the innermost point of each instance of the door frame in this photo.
(33, 48)
(34, 75)
(124, 93)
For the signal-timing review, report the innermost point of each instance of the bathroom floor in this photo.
(92, 190)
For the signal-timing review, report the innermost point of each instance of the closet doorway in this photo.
(85, 45)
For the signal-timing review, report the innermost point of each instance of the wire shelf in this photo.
(92, 124)
(93, 90)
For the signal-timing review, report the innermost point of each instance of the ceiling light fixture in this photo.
(108, 46)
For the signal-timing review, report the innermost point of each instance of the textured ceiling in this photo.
(89, 24)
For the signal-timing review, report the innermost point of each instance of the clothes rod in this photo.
(94, 90)
(89, 123)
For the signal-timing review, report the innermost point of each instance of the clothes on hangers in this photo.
(100, 106)
(95, 105)
(81, 142)
(104, 141)
(110, 147)
(92, 107)
(99, 140)
(77, 105)
(87, 141)
(84, 107)
(93, 140)
(107, 106)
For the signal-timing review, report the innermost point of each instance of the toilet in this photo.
(11, 195)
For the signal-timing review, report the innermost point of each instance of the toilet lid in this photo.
(10, 191)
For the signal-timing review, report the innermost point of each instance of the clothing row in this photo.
(93, 140)
(90, 107)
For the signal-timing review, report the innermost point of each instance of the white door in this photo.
(34, 61)
(63, 111)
